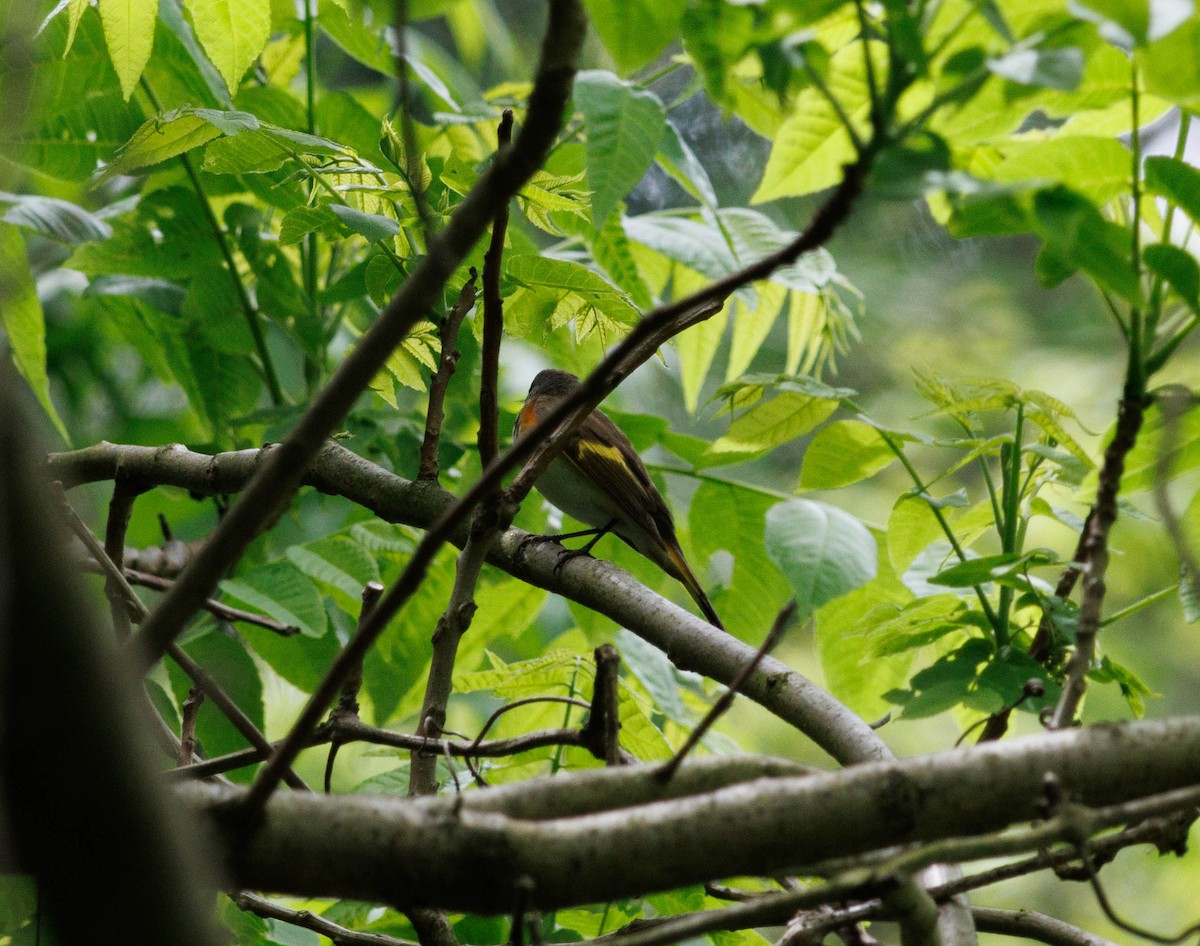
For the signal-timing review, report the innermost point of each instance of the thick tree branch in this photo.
(440, 852)
(691, 643)
(272, 488)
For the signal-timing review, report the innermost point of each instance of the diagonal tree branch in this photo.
(272, 487)
(692, 644)
(439, 852)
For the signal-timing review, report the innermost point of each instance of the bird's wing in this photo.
(605, 456)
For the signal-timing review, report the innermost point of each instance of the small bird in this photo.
(600, 480)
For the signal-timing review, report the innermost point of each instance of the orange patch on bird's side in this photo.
(528, 416)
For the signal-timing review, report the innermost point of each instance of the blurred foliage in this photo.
(215, 199)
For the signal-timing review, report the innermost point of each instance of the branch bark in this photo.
(691, 643)
(441, 852)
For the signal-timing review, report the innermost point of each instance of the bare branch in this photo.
(1028, 924)
(187, 728)
(1095, 548)
(339, 935)
(602, 732)
(442, 852)
(493, 319)
(691, 643)
(447, 361)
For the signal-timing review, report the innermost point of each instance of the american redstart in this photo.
(600, 480)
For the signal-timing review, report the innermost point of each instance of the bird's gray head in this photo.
(553, 381)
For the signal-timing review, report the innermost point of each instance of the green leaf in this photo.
(812, 145)
(54, 218)
(18, 903)
(853, 672)
(1133, 688)
(372, 226)
(1098, 168)
(823, 551)
(946, 683)
(23, 320)
(655, 672)
(129, 32)
(1178, 268)
(233, 33)
(74, 10)
(783, 418)
(172, 133)
(635, 31)
(981, 570)
(842, 453)
(265, 149)
(281, 591)
(1177, 181)
(727, 520)
(1171, 68)
(339, 563)
(624, 126)
(300, 221)
(1130, 22)
(1078, 237)
(1048, 68)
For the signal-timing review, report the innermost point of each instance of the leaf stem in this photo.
(1012, 504)
(988, 610)
(249, 309)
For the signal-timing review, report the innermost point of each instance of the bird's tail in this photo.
(689, 581)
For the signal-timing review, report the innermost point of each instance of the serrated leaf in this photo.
(823, 551)
(624, 126)
(280, 590)
(812, 145)
(300, 221)
(129, 33)
(339, 563)
(233, 33)
(783, 418)
(23, 320)
(842, 453)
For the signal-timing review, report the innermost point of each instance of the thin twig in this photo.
(195, 672)
(187, 728)
(218, 609)
(305, 919)
(493, 318)
(1095, 548)
(603, 728)
(1028, 924)
(447, 360)
(408, 132)
(347, 705)
(718, 709)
